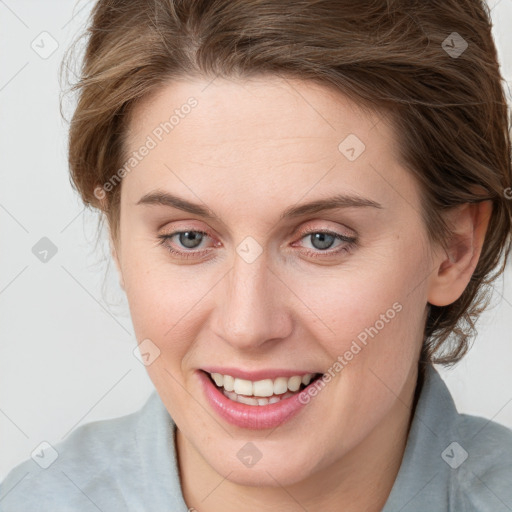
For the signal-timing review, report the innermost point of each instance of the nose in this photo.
(253, 307)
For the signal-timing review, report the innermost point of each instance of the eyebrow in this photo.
(159, 197)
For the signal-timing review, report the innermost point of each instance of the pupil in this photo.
(190, 236)
(320, 237)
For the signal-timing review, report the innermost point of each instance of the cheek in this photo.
(160, 307)
(372, 314)
(166, 303)
(342, 304)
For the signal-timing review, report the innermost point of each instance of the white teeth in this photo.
(243, 387)
(280, 385)
(255, 401)
(217, 377)
(306, 379)
(247, 400)
(294, 383)
(229, 382)
(261, 388)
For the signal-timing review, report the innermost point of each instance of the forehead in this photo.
(245, 111)
(246, 137)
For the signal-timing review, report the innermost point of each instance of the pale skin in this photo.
(248, 151)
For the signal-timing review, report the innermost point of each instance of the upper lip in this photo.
(255, 375)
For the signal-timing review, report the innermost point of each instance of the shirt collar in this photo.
(424, 476)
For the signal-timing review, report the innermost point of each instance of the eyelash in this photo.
(350, 243)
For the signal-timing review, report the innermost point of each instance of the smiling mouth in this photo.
(263, 392)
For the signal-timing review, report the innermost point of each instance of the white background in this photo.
(66, 336)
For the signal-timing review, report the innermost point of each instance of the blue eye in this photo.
(187, 238)
(325, 239)
(320, 239)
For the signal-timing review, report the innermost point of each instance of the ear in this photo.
(454, 268)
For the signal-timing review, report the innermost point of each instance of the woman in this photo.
(307, 202)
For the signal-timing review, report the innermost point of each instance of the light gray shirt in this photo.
(452, 462)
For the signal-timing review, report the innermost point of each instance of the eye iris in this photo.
(320, 237)
(192, 239)
(187, 237)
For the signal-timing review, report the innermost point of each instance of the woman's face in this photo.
(264, 290)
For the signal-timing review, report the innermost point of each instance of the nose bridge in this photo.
(251, 310)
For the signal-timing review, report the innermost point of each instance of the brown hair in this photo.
(405, 58)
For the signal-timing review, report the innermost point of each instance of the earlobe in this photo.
(455, 267)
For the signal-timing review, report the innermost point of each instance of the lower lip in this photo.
(254, 417)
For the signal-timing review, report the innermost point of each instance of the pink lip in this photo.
(250, 416)
(254, 375)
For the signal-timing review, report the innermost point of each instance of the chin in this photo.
(262, 477)
(264, 473)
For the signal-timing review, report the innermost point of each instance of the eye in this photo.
(321, 240)
(188, 239)
(324, 239)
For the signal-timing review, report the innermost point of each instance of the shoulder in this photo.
(484, 477)
(90, 469)
(452, 461)
(476, 453)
